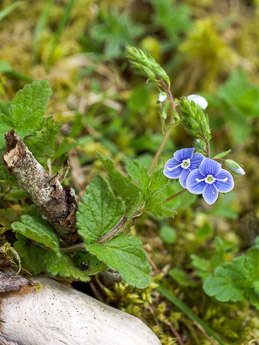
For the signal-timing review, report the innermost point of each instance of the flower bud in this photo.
(162, 97)
(199, 100)
(236, 168)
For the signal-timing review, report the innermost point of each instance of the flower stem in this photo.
(116, 228)
(175, 195)
(167, 133)
(207, 147)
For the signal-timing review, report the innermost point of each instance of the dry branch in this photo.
(56, 204)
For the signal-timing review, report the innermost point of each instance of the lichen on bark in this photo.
(56, 204)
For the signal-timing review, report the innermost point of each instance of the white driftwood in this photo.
(60, 315)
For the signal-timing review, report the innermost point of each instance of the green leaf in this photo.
(64, 266)
(6, 124)
(168, 234)
(99, 211)
(123, 253)
(37, 230)
(43, 142)
(158, 180)
(123, 186)
(139, 99)
(252, 263)
(31, 255)
(4, 108)
(162, 211)
(228, 281)
(201, 265)
(180, 277)
(33, 100)
(138, 173)
(203, 232)
(93, 265)
(222, 154)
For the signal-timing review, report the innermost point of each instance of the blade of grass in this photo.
(9, 9)
(61, 27)
(39, 28)
(7, 69)
(183, 307)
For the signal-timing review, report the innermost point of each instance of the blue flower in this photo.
(209, 179)
(183, 162)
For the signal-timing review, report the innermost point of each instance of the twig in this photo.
(204, 333)
(56, 204)
(175, 333)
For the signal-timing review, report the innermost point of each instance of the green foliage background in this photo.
(207, 47)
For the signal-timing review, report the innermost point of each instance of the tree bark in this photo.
(56, 204)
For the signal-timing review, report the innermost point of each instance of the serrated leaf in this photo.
(228, 281)
(123, 186)
(64, 266)
(37, 230)
(138, 172)
(93, 265)
(158, 180)
(222, 154)
(43, 142)
(99, 211)
(6, 125)
(252, 263)
(31, 256)
(26, 110)
(123, 253)
(33, 98)
(162, 211)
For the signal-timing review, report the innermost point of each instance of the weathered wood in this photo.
(56, 204)
(58, 314)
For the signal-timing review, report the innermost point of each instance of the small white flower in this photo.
(162, 97)
(201, 101)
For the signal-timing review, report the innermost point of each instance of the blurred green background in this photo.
(208, 47)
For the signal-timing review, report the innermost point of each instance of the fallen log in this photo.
(57, 314)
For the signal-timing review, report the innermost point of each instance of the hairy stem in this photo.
(167, 133)
(207, 147)
(175, 195)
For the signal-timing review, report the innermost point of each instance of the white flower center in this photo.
(210, 179)
(186, 163)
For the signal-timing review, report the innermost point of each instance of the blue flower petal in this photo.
(196, 160)
(209, 167)
(192, 185)
(210, 194)
(172, 168)
(183, 177)
(182, 154)
(224, 181)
